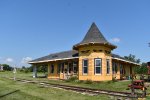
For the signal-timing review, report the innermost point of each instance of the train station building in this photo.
(90, 59)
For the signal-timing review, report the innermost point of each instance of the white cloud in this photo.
(26, 60)
(116, 40)
(9, 60)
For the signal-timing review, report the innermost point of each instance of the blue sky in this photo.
(33, 28)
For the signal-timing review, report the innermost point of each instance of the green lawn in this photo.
(12, 90)
(108, 85)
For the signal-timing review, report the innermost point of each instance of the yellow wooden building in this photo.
(91, 59)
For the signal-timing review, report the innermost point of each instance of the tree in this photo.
(6, 67)
(139, 69)
(132, 58)
(142, 69)
(42, 69)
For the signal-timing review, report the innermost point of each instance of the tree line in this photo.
(7, 67)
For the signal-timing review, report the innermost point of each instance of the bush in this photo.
(88, 81)
(114, 79)
(2, 71)
(26, 71)
(72, 79)
(109, 82)
(79, 81)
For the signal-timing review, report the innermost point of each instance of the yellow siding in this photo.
(54, 75)
(91, 55)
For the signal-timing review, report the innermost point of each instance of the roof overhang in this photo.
(126, 61)
(77, 46)
(45, 61)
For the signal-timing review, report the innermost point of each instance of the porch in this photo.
(123, 70)
(61, 69)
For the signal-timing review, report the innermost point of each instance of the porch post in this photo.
(34, 71)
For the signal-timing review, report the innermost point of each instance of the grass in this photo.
(35, 92)
(107, 85)
(12, 90)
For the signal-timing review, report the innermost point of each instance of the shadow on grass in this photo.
(9, 93)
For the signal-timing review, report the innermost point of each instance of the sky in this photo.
(31, 29)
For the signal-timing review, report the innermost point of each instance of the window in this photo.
(114, 68)
(98, 66)
(52, 68)
(62, 67)
(85, 66)
(108, 66)
(75, 68)
(122, 70)
(58, 68)
(70, 67)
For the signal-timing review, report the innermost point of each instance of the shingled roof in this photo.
(94, 36)
(71, 54)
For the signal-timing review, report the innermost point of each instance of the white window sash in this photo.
(100, 66)
(85, 66)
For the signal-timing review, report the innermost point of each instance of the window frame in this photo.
(85, 66)
(58, 68)
(121, 69)
(62, 68)
(52, 71)
(97, 66)
(113, 68)
(107, 67)
(75, 67)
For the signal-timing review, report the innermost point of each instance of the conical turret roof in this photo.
(94, 36)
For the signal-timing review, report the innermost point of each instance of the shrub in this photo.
(72, 79)
(109, 82)
(79, 81)
(26, 71)
(114, 79)
(88, 81)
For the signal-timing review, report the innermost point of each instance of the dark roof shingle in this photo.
(66, 54)
(60, 55)
(93, 36)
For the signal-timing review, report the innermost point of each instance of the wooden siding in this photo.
(91, 52)
(91, 55)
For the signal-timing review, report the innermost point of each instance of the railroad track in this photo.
(79, 89)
